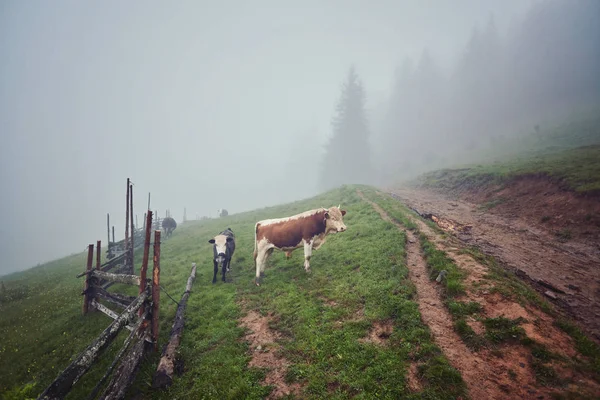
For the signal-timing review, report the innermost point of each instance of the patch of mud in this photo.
(379, 333)
(414, 383)
(437, 318)
(494, 304)
(544, 204)
(264, 348)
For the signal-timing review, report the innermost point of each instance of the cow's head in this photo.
(334, 219)
(220, 246)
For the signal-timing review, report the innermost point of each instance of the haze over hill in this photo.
(229, 105)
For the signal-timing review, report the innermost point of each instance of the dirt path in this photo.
(503, 374)
(436, 317)
(264, 348)
(572, 267)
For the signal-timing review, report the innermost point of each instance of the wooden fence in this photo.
(143, 310)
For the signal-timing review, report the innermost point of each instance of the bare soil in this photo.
(264, 348)
(379, 333)
(535, 228)
(502, 374)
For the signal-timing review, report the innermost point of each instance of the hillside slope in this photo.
(537, 211)
(370, 320)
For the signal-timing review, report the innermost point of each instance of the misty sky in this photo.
(204, 104)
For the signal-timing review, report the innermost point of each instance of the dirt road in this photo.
(570, 267)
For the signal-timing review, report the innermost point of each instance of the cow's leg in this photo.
(264, 264)
(216, 271)
(307, 255)
(262, 255)
(225, 268)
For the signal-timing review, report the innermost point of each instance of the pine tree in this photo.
(347, 156)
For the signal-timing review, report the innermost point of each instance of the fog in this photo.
(230, 104)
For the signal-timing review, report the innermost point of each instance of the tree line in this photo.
(546, 65)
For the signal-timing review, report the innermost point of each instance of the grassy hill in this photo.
(567, 153)
(358, 277)
(350, 329)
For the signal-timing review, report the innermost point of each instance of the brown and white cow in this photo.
(308, 229)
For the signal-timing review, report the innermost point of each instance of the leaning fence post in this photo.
(86, 285)
(155, 290)
(145, 258)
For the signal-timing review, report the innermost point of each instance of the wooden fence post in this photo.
(98, 264)
(126, 241)
(108, 231)
(131, 245)
(87, 286)
(155, 290)
(98, 253)
(145, 257)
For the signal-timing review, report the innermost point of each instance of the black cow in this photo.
(169, 225)
(223, 248)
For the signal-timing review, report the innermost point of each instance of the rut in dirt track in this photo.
(472, 367)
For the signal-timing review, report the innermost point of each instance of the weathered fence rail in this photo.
(166, 367)
(65, 381)
(139, 316)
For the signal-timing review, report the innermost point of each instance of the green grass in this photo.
(461, 309)
(395, 210)
(584, 345)
(502, 330)
(568, 153)
(576, 169)
(360, 272)
(438, 261)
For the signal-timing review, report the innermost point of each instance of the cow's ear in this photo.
(326, 214)
(229, 239)
(343, 212)
(211, 241)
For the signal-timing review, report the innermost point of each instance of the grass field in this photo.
(323, 320)
(359, 278)
(568, 153)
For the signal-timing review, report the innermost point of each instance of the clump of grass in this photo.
(438, 261)
(545, 218)
(545, 374)
(504, 330)
(584, 345)
(564, 235)
(468, 335)
(491, 204)
(461, 309)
